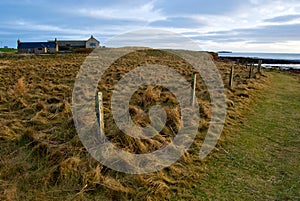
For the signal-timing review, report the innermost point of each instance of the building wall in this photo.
(92, 43)
(71, 44)
(40, 50)
(25, 50)
(37, 50)
(52, 50)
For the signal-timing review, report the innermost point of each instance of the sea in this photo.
(276, 56)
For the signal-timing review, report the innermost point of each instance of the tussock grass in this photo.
(42, 157)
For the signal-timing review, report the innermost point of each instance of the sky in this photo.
(215, 25)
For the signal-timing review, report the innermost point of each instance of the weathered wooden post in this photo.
(251, 71)
(259, 66)
(193, 92)
(99, 112)
(231, 76)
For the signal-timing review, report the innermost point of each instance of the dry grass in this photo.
(42, 157)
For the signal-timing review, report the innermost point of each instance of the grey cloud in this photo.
(264, 34)
(153, 38)
(259, 42)
(191, 7)
(178, 22)
(190, 33)
(273, 33)
(284, 18)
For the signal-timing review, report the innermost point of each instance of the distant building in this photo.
(69, 44)
(37, 47)
(56, 45)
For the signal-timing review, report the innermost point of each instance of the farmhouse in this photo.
(56, 45)
(69, 44)
(37, 47)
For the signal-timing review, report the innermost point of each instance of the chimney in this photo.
(19, 41)
(56, 45)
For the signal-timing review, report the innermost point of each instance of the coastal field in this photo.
(42, 158)
(6, 50)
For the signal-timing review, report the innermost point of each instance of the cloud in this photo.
(25, 25)
(144, 12)
(285, 18)
(262, 34)
(273, 33)
(178, 22)
(217, 23)
(154, 38)
(260, 42)
(31, 31)
(196, 7)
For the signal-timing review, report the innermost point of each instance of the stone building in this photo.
(69, 44)
(37, 47)
(56, 45)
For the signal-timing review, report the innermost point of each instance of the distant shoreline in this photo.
(264, 60)
(280, 61)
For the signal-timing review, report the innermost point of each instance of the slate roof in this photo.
(65, 41)
(31, 45)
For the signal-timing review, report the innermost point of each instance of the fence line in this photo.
(193, 92)
(99, 112)
(231, 77)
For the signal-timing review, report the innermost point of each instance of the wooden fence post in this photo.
(99, 112)
(259, 66)
(231, 76)
(193, 92)
(251, 71)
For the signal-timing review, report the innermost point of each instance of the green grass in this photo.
(8, 50)
(261, 161)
